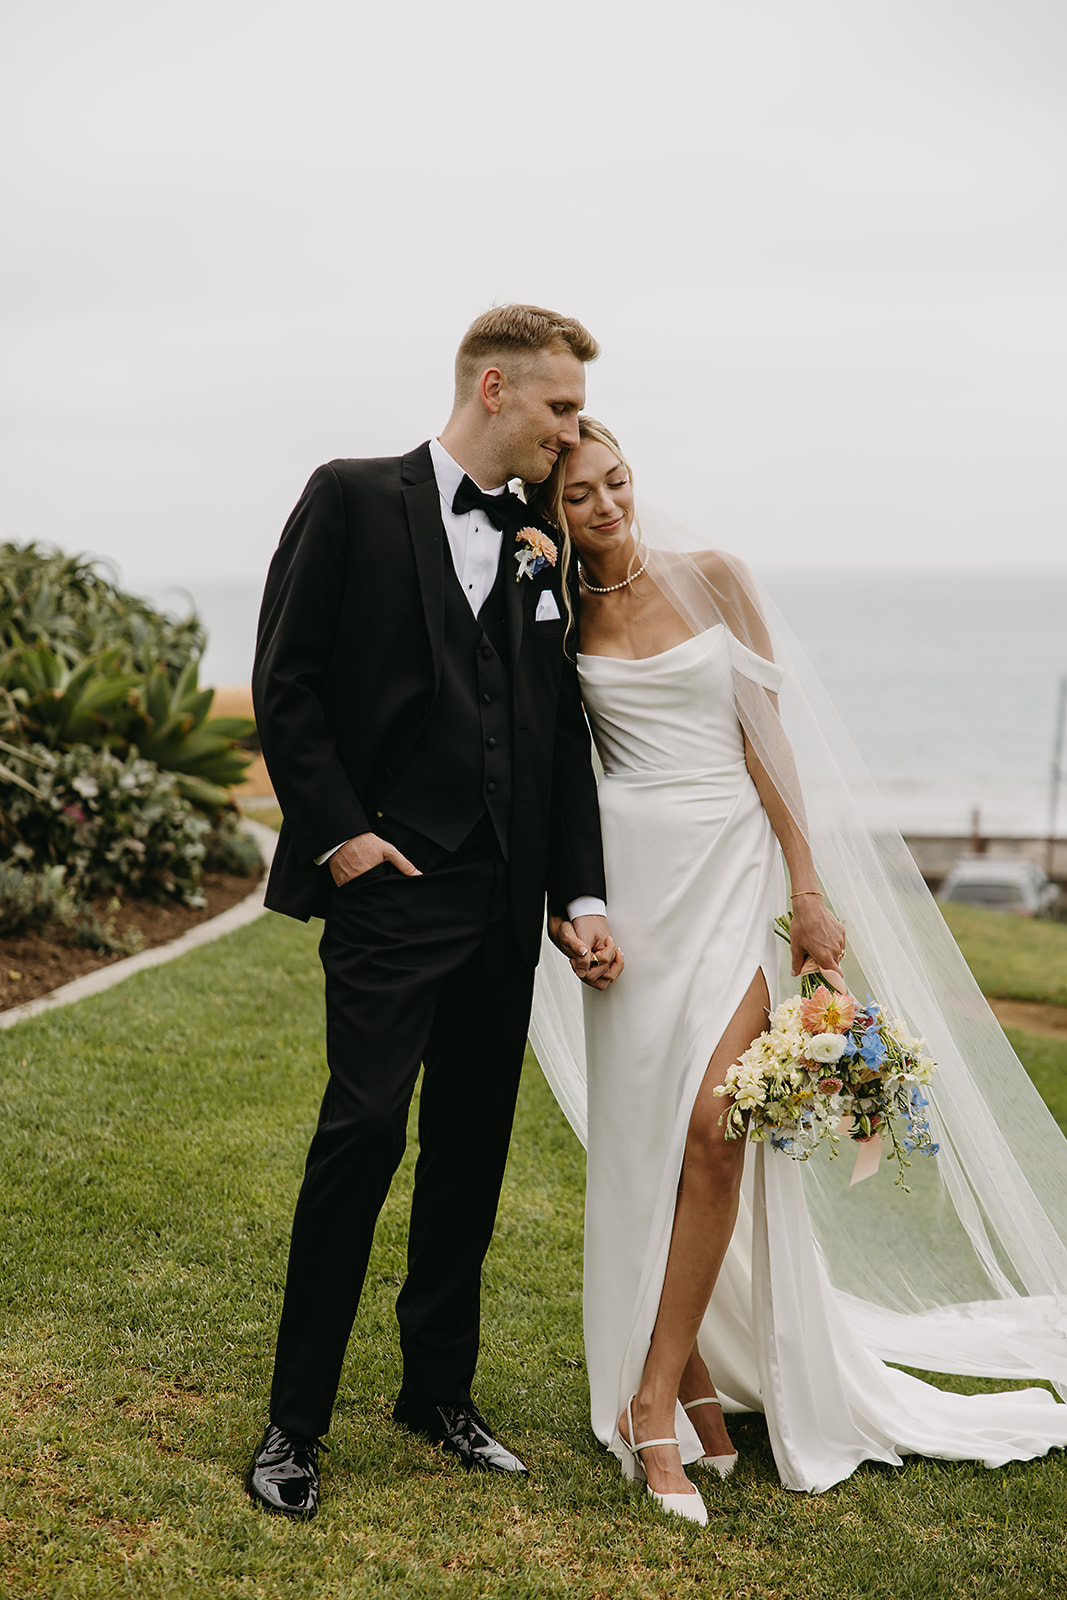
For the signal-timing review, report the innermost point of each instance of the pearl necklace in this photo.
(596, 588)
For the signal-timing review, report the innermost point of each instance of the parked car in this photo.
(1014, 885)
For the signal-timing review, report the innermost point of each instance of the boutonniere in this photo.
(537, 551)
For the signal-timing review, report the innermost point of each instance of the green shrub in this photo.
(70, 605)
(32, 899)
(42, 900)
(170, 726)
(46, 699)
(83, 663)
(230, 849)
(118, 826)
(114, 777)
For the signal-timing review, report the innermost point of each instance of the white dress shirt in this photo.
(472, 539)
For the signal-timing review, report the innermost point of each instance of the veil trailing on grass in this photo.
(968, 1272)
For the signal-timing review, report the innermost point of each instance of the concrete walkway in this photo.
(237, 916)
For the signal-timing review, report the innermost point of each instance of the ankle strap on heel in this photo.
(646, 1444)
(708, 1400)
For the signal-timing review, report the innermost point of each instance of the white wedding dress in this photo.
(695, 881)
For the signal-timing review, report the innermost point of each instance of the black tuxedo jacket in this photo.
(348, 661)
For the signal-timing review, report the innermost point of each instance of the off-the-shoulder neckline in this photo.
(634, 661)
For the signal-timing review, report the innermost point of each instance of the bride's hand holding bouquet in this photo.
(816, 938)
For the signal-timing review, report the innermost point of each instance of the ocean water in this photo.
(948, 682)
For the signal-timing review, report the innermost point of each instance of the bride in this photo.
(721, 1276)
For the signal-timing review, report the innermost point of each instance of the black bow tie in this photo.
(499, 508)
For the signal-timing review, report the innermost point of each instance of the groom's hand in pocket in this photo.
(366, 850)
(589, 947)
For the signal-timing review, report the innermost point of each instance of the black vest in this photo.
(461, 767)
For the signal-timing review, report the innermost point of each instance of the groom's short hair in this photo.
(510, 335)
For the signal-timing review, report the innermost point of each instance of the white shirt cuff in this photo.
(586, 905)
(320, 861)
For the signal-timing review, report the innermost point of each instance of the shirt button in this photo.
(490, 788)
(490, 744)
(487, 699)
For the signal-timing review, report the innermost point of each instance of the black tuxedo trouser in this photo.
(417, 970)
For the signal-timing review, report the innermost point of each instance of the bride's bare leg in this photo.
(704, 1219)
(708, 1421)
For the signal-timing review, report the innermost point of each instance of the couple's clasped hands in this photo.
(586, 942)
(589, 947)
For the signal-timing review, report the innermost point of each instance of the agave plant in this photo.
(71, 605)
(83, 663)
(61, 705)
(175, 733)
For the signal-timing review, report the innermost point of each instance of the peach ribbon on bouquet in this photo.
(869, 1155)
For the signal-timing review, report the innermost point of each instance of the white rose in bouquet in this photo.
(826, 1048)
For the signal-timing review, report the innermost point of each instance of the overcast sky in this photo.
(823, 244)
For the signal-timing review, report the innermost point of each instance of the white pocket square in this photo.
(547, 609)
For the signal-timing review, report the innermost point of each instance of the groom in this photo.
(422, 727)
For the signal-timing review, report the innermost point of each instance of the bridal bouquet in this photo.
(826, 1067)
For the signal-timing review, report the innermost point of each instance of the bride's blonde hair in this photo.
(546, 499)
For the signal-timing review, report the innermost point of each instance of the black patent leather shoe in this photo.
(284, 1476)
(461, 1430)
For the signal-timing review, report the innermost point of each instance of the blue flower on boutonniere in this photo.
(537, 551)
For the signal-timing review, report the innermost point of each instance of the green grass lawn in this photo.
(152, 1141)
(1013, 958)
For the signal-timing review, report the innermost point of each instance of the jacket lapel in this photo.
(514, 595)
(422, 501)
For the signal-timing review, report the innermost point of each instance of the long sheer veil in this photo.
(966, 1273)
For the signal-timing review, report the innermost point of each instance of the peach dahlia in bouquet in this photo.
(830, 1067)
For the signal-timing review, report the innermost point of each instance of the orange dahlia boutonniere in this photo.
(537, 551)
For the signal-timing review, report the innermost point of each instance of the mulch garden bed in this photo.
(32, 965)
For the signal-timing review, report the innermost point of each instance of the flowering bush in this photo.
(116, 826)
(230, 848)
(114, 777)
(828, 1066)
(42, 900)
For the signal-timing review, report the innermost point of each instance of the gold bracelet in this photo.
(806, 891)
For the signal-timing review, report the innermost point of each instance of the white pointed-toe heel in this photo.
(689, 1506)
(723, 1465)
